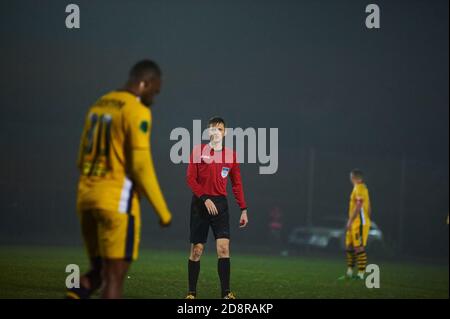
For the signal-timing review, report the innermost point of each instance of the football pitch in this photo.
(37, 272)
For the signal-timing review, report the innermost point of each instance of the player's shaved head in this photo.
(145, 81)
(144, 70)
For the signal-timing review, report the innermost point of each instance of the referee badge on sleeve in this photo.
(225, 171)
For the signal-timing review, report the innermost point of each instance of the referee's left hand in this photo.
(244, 219)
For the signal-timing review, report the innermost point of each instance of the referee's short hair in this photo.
(215, 120)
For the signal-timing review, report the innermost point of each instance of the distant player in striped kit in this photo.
(208, 171)
(358, 226)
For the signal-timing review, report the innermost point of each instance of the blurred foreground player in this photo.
(207, 175)
(358, 226)
(116, 167)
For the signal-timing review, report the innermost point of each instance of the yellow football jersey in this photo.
(360, 192)
(116, 124)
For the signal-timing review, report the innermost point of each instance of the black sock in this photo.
(223, 268)
(193, 271)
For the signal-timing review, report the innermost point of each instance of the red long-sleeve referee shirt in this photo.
(208, 172)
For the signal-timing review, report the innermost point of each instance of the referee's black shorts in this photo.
(201, 220)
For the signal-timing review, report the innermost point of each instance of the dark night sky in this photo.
(360, 97)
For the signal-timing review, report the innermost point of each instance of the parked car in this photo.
(329, 234)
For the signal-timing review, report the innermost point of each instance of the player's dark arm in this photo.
(144, 175)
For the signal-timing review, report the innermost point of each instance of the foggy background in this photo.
(373, 99)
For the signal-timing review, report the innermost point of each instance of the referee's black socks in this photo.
(223, 268)
(193, 272)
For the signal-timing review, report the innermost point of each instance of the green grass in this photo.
(36, 272)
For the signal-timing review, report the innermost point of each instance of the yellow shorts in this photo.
(357, 236)
(111, 235)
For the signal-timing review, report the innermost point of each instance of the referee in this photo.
(209, 167)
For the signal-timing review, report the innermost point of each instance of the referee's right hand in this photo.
(211, 207)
